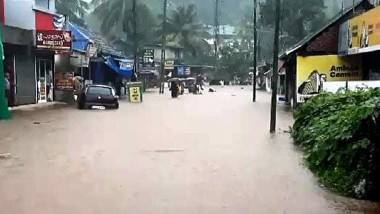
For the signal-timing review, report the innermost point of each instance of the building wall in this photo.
(327, 42)
(19, 13)
(45, 4)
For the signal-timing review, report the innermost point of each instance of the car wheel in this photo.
(116, 106)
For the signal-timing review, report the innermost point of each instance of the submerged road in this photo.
(199, 154)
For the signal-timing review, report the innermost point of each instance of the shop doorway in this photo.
(44, 80)
(9, 71)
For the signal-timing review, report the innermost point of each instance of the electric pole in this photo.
(216, 31)
(163, 48)
(275, 68)
(135, 40)
(254, 48)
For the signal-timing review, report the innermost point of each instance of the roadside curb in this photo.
(37, 107)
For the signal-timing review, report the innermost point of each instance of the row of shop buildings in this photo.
(345, 54)
(44, 52)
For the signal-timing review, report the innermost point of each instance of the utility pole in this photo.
(163, 48)
(135, 40)
(275, 68)
(254, 48)
(216, 31)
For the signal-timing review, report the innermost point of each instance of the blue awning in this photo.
(81, 40)
(123, 67)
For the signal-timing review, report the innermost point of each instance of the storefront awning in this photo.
(123, 67)
(81, 41)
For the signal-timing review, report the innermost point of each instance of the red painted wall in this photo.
(44, 21)
(2, 11)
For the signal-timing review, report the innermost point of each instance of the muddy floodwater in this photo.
(203, 154)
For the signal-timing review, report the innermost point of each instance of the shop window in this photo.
(43, 4)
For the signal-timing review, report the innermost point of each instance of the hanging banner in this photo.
(313, 71)
(53, 40)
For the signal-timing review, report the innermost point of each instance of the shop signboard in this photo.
(92, 50)
(148, 58)
(79, 60)
(135, 92)
(54, 40)
(182, 70)
(126, 64)
(361, 34)
(64, 80)
(314, 71)
(169, 64)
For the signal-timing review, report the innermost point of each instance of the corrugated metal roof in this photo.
(102, 43)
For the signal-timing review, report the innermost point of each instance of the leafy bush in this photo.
(340, 136)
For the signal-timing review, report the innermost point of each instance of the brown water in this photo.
(199, 154)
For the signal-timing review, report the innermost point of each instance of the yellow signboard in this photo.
(365, 32)
(313, 71)
(135, 95)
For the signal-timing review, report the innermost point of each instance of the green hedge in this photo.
(340, 136)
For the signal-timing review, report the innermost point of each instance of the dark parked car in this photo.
(98, 95)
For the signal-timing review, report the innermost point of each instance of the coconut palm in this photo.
(183, 28)
(119, 22)
(74, 9)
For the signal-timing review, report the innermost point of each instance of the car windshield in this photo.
(99, 90)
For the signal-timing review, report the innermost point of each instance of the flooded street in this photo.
(206, 154)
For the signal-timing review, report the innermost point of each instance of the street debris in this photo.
(5, 156)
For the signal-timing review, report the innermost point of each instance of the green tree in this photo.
(235, 60)
(184, 29)
(117, 22)
(299, 18)
(74, 9)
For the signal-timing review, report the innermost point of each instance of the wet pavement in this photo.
(199, 154)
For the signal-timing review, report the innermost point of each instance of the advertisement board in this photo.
(148, 58)
(54, 40)
(64, 81)
(314, 71)
(363, 32)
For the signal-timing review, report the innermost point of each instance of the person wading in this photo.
(174, 89)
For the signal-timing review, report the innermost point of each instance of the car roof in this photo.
(98, 85)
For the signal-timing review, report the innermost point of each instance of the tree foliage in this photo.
(340, 135)
(184, 29)
(299, 18)
(74, 9)
(117, 22)
(235, 60)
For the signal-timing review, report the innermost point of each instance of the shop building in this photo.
(360, 37)
(31, 42)
(315, 61)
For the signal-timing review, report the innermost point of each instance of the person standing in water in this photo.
(174, 89)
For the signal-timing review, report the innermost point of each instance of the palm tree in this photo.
(183, 28)
(74, 9)
(124, 22)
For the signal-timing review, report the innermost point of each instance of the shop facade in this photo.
(31, 42)
(315, 63)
